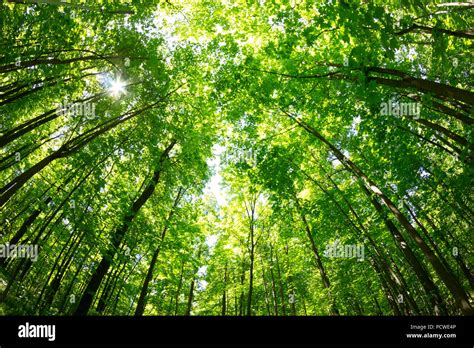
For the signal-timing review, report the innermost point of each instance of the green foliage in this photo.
(281, 103)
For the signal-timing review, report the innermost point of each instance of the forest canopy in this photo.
(236, 158)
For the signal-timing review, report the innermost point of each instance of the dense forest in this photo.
(236, 158)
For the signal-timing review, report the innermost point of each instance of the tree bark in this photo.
(149, 276)
(98, 275)
(450, 281)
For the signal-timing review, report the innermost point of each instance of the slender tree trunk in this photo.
(242, 281)
(430, 30)
(70, 148)
(440, 90)
(265, 287)
(280, 283)
(393, 280)
(274, 296)
(34, 123)
(252, 258)
(431, 289)
(387, 290)
(51, 61)
(96, 279)
(191, 290)
(149, 276)
(453, 136)
(178, 291)
(224, 294)
(450, 281)
(319, 263)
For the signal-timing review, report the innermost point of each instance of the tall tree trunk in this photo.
(450, 281)
(149, 276)
(71, 147)
(178, 290)
(393, 280)
(96, 279)
(191, 290)
(274, 296)
(34, 123)
(430, 30)
(319, 263)
(224, 292)
(280, 283)
(431, 289)
(265, 287)
(442, 91)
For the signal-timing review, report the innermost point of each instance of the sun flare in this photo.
(117, 88)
